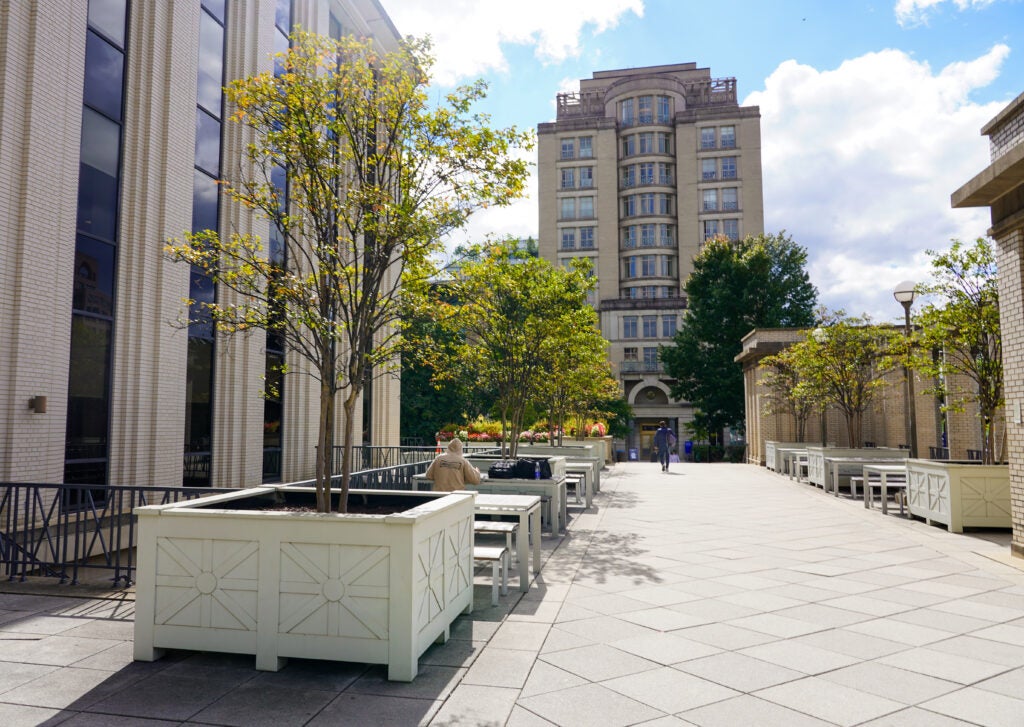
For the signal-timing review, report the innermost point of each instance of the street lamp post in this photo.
(819, 335)
(904, 295)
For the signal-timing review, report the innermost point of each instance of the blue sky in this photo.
(870, 110)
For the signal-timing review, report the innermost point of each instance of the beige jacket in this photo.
(451, 471)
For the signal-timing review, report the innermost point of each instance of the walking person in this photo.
(664, 441)
(451, 471)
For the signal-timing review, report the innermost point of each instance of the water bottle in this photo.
(536, 470)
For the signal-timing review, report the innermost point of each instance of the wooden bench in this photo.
(498, 527)
(498, 558)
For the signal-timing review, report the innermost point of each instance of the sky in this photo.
(870, 111)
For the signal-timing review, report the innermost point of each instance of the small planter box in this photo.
(215, 574)
(773, 452)
(959, 494)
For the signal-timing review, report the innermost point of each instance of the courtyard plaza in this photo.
(714, 595)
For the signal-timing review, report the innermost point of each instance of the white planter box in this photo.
(959, 495)
(378, 589)
(816, 456)
(773, 454)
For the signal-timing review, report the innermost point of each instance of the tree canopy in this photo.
(360, 177)
(736, 286)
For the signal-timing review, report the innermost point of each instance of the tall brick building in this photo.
(113, 135)
(638, 169)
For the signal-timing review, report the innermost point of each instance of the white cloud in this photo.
(859, 164)
(468, 34)
(915, 12)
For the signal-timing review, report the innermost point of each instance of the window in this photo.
(665, 173)
(630, 353)
(586, 177)
(629, 206)
(647, 173)
(629, 176)
(727, 136)
(731, 229)
(568, 148)
(664, 143)
(211, 64)
(586, 208)
(586, 238)
(664, 204)
(708, 169)
(207, 143)
(710, 200)
(626, 112)
(650, 326)
(646, 143)
(629, 267)
(666, 235)
(646, 235)
(628, 145)
(710, 228)
(645, 109)
(647, 204)
(629, 326)
(650, 358)
(586, 147)
(629, 237)
(707, 137)
(648, 269)
(664, 110)
(668, 326)
(104, 76)
(730, 199)
(568, 239)
(567, 210)
(648, 291)
(568, 178)
(728, 167)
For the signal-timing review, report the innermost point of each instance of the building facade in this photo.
(113, 137)
(639, 168)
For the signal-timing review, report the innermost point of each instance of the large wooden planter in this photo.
(959, 494)
(378, 589)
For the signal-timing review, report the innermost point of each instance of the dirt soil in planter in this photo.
(375, 504)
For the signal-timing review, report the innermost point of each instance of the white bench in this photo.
(499, 527)
(498, 558)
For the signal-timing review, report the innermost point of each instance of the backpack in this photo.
(526, 468)
(504, 469)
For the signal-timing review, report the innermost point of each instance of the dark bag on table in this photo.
(504, 469)
(526, 468)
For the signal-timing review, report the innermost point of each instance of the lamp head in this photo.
(904, 292)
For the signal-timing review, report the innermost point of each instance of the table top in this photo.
(880, 461)
(879, 468)
(505, 502)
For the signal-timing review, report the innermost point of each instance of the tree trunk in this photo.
(325, 447)
(346, 465)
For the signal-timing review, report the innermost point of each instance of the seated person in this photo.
(451, 471)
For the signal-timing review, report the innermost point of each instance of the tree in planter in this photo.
(844, 362)
(735, 286)
(789, 391)
(374, 177)
(513, 313)
(962, 326)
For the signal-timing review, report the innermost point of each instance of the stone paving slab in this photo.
(711, 595)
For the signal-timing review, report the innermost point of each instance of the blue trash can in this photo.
(688, 449)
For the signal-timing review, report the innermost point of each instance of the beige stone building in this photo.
(113, 134)
(1000, 186)
(638, 169)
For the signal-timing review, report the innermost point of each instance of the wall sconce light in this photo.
(37, 404)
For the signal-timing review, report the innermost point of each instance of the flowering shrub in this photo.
(597, 430)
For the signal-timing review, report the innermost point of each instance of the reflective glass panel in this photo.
(88, 382)
(94, 277)
(108, 17)
(207, 143)
(104, 76)
(215, 8)
(211, 64)
(204, 202)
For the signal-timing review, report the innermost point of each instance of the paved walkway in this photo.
(710, 595)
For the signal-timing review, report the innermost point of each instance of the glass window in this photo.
(665, 175)
(650, 326)
(710, 200)
(629, 176)
(730, 198)
(647, 204)
(198, 399)
(283, 15)
(586, 207)
(211, 64)
(647, 173)
(707, 137)
(629, 324)
(647, 235)
(647, 269)
(666, 234)
(586, 147)
(568, 148)
(204, 202)
(664, 143)
(668, 326)
(650, 357)
(88, 382)
(567, 209)
(587, 238)
(727, 136)
(98, 175)
(200, 290)
(666, 266)
(207, 143)
(629, 267)
(731, 229)
(664, 110)
(568, 238)
(281, 45)
(104, 76)
(626, 112)
(629, 206)
(108, 17)
(94, 277)
(586, 177)
(664, 204)
(710, 228)
(629, 237)
(645, 109)
(646, 143)
(215, 8)
(708, 169)
(630, 353)
(568, 178)
(728, 167)
(628, 145)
